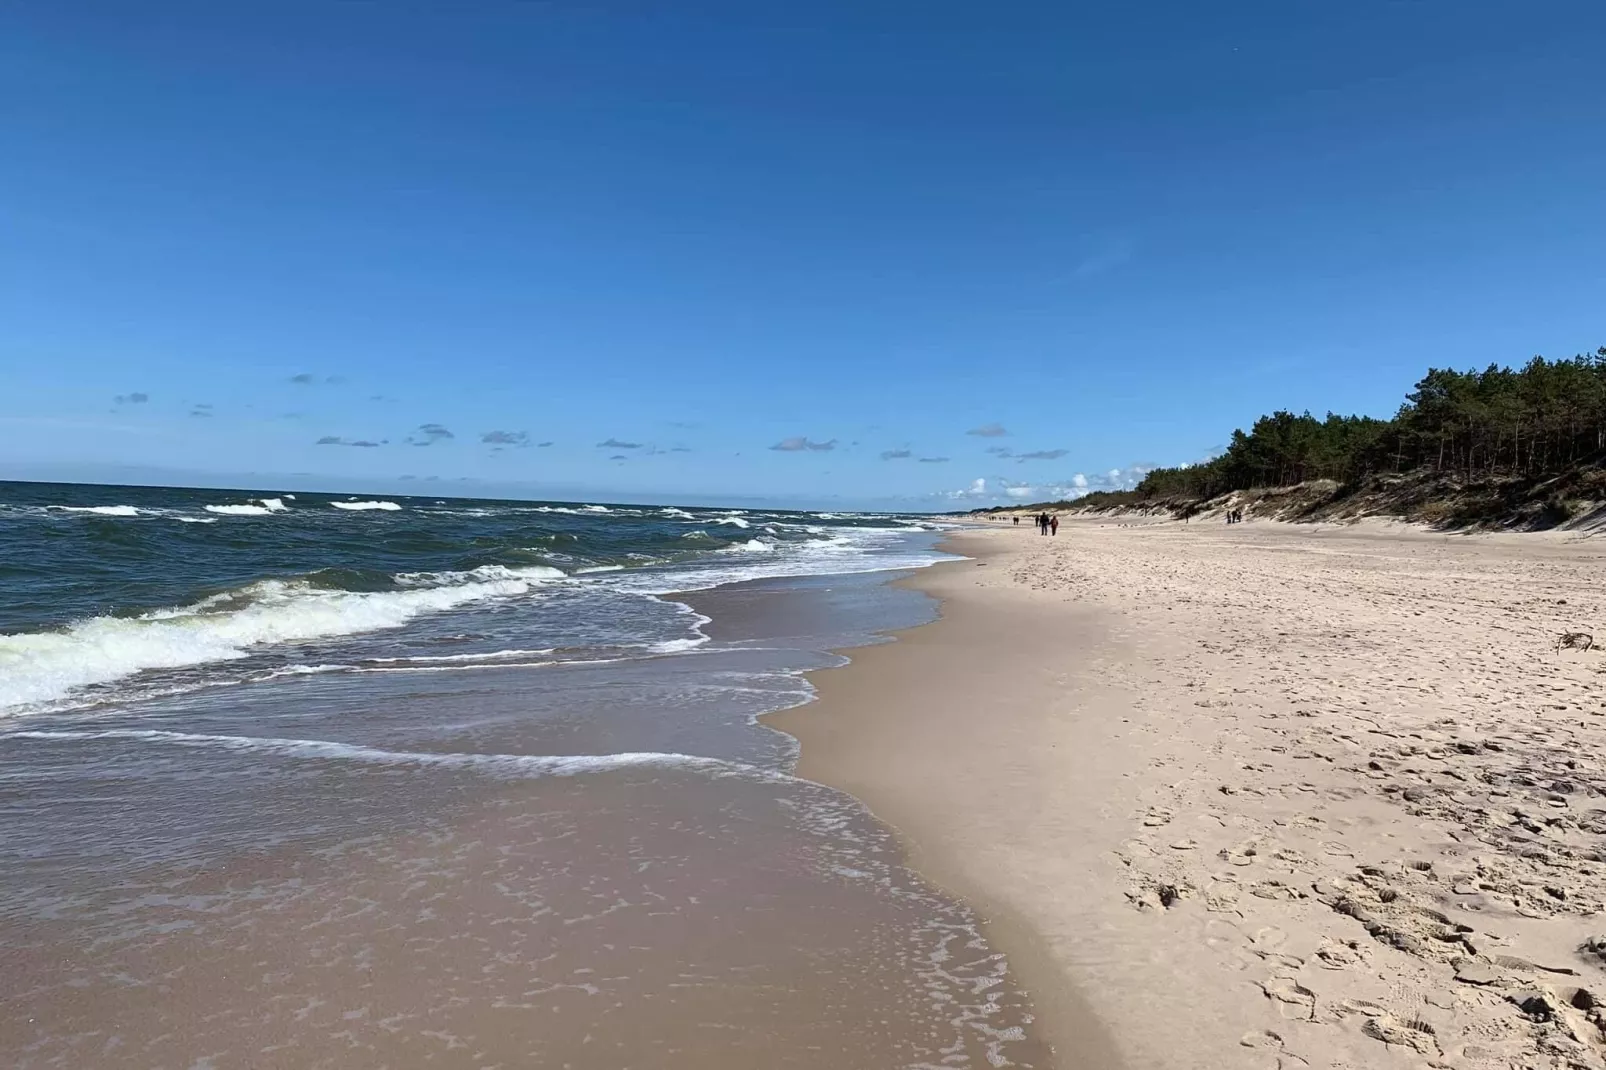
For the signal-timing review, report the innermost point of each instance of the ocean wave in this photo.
(679, 646)
(493, 655)
(522, 765)
(256, 507)
(734, 521)
(299, 670)
(483, 574)
(98, 510)
(751, 546)
(363, 507)
(38, 668)
(680, 514)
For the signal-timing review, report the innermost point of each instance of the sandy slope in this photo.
(1263, 795)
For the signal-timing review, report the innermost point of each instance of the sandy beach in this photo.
(1256, 796)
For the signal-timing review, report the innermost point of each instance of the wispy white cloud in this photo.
(429, 434)
(988, 431)
(800, 442)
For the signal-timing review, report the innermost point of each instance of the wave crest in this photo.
(362, 507)
(38, 668)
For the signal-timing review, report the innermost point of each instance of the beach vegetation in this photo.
(1462, 447)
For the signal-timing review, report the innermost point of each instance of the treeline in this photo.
(1537, 421)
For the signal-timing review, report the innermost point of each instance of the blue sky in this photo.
(1113, 231)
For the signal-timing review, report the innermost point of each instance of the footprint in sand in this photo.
(1157, 816)
(1242, 855)
(1339, 955)
(1293, 999)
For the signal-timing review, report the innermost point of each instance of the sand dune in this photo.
(1260, 795)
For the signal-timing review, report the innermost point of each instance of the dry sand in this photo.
(1259, 795)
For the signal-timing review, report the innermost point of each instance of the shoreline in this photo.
(830, 744)
(1243, 796)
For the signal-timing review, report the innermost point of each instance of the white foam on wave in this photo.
(845, 551)
(751, 546)
(597, 568)
(734, 521)
(522, 765)
(483, 574)
(99, 510)
(679, 646)
(301, 670)
(195, 519)
(678, 513)
(258, 507)
(364, 507)
(493, 655)
(584, 510)
(39, 668)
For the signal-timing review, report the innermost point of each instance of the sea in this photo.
(294, 779)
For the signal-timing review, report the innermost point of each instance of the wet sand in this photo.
(1259, 796)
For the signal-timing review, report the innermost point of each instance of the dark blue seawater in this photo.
(115, 593)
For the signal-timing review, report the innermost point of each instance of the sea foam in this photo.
(99, 510)
(363, 507)
(496, 764)
(37, 668)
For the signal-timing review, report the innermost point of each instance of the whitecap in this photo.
(99, 510)
(483, 574)
(238, 510)
(362, 507)
(38, 668)
(751, 546)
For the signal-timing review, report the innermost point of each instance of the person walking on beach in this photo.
(1054, 525)
(1016, 519)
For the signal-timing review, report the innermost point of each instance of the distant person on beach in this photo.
(1016, 519)
(1054, 525)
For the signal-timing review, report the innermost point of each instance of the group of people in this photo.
(1235, 516)
(1046, 525)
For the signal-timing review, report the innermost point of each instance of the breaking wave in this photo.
(38, 668)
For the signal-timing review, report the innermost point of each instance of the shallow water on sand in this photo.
(393, 869)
